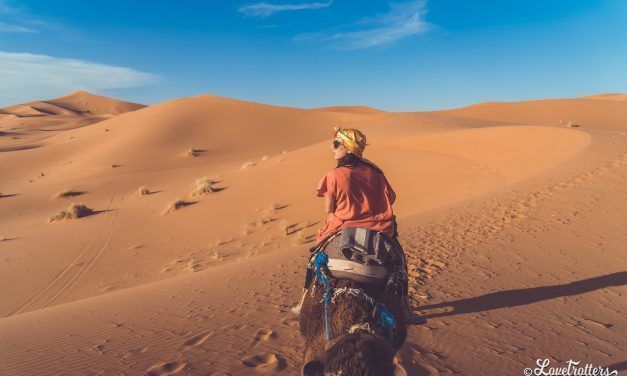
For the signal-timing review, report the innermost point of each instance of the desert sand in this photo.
(512, 215)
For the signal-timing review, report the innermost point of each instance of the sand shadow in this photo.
(514, 298)
(96, 212)
(153, 192)
(218, 189)
(9, 195)
(198, 151)
(70, 194)
(311, 224)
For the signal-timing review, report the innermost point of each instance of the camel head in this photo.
(353, 354)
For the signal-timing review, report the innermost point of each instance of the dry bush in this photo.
(67, 193)
(246, 229)
(176, 205)
(247, 165)
(202, 186)
(300, 237)
(264, 158)
(222, 241)
(191, 152)
(571, 124)
(266, 218)
(2, 238)
(143, 191)
(73, 211)
(284, 226)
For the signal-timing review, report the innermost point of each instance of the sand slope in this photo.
(207, 288)
(604, 112)
(27, 125)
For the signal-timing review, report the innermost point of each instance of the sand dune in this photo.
(206, 288)
(585, 112)
(609, 97)
(34, 122)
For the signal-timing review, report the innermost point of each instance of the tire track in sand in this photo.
(79, 266)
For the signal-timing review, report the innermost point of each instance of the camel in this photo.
(358, 344)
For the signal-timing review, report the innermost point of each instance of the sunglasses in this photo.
(336, 144)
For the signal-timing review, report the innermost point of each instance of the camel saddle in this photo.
(363, 255)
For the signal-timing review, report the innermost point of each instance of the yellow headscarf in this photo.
(352, 139)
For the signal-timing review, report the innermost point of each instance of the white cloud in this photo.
(12, 28)
(267, 9)
(403, 20)
(25, 76)
(20, 20)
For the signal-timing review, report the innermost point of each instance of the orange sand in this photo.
(512, 221)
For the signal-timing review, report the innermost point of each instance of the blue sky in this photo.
(402, 55)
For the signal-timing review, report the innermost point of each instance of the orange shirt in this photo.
(363, 198)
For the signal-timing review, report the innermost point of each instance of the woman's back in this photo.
(362, 196)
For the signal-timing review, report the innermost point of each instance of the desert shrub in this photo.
(143, 191)
(300, 237)
(284, 226)
(247, 165)
(73, 211)
(176, 205)
(67, 193)
(202, 186)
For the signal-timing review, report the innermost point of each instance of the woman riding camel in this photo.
(356, 192)
(357, 195)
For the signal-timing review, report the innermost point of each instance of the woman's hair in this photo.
(351, 160)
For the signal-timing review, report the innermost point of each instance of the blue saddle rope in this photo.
(320, 263)
(384, 318)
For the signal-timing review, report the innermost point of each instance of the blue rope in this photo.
(321, 261)
(386, 321)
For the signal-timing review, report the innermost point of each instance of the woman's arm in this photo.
(329, 204)
(391, 193)
(392, 196)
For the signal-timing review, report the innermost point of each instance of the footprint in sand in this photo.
(199, 339)
(263, 335)
(134, 352)
(267, 361)
(165, 369)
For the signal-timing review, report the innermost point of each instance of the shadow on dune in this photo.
(513, 298)
(96, 212)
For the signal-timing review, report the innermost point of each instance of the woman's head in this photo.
(348, 141)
